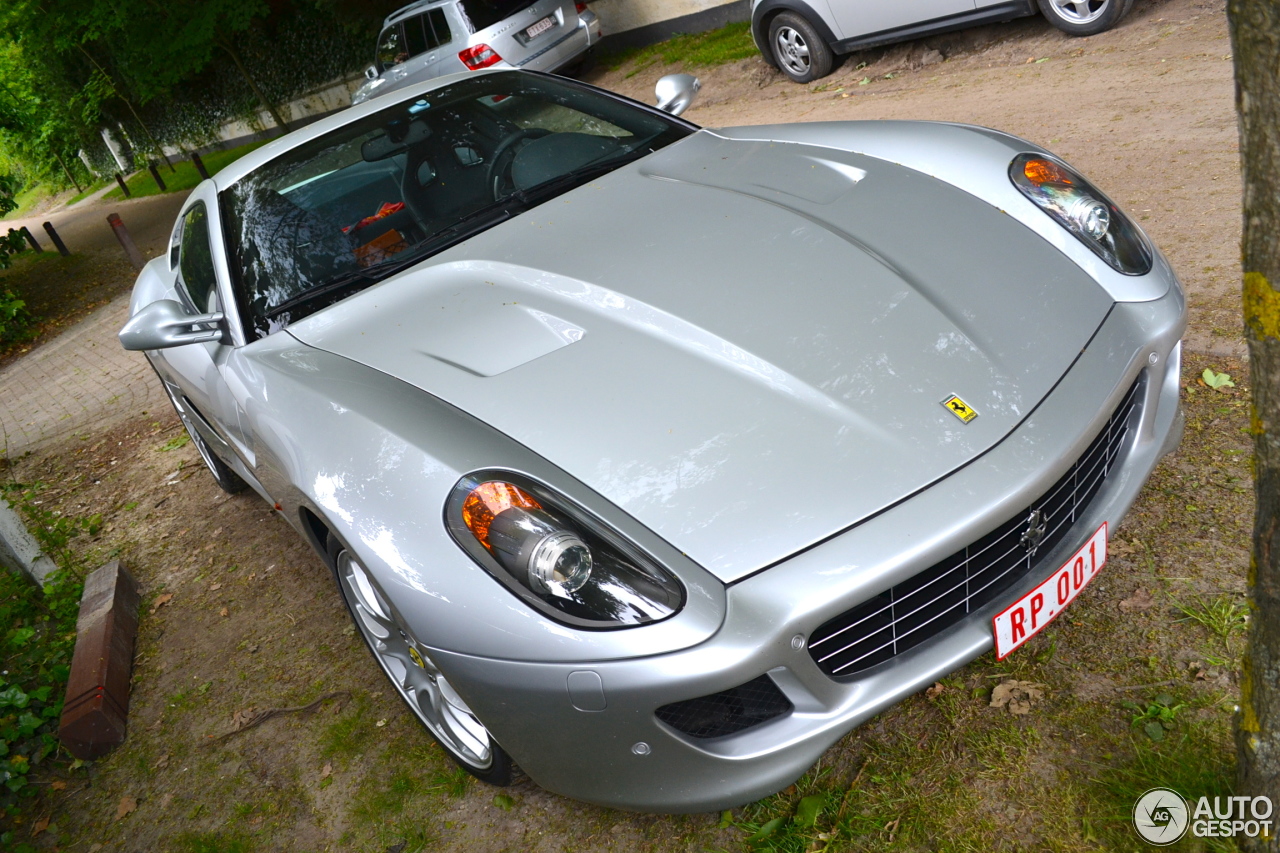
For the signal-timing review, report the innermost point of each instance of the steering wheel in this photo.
(493, 175)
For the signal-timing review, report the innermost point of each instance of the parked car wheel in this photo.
(420, 684)
(229, 481)
(1084, 17)
(797, 48)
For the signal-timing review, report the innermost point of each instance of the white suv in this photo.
(803, 37)
(432, 38)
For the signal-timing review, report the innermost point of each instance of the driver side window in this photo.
(195, 266)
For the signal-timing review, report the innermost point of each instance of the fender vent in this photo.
(728, 712)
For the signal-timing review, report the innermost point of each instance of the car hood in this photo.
(745, 345)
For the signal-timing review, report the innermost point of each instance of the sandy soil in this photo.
(241, 615)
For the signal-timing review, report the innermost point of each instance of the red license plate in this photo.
(1027, 616)
(540, 27)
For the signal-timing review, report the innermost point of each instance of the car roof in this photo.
(407, 11)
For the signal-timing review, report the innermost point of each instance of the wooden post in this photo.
(155, 174)
(96, 710)
(31, 238)
(199, 164)
(57, 241)
(124, 188)
(126, 242)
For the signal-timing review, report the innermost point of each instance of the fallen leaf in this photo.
(1017, 696)
(224, 612)
(326, 771)
(215, 587)
(1119, 547)
(243, 717)
(127, 804)
(381, 723)
(59, 785)
(253, 575)
(162, 761)
(40, 826)
(216, 531)
(935, 691)
(1142, 599)
(161, 601)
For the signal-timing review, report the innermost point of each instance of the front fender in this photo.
(376, 460)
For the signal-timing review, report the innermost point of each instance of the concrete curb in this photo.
(19, 551)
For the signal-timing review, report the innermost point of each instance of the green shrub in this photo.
(15, 322)
(37, 637)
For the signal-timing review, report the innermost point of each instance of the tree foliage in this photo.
(160, 72)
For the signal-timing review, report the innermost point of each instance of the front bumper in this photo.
(623, 756)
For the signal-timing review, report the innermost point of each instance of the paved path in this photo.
(82, 376)
(79, 378)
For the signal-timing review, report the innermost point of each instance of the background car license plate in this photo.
(541, 27)
(1025, 618)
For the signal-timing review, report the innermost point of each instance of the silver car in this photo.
(432, 38)
(653, 458)
(803, 38)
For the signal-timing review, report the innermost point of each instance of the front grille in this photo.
(728, 712)
(940, 596)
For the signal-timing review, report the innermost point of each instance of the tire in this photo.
(1084, 17)
(229, 481)
(416, 679)
(797, 48)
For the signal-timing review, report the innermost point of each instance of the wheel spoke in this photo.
(419, 681)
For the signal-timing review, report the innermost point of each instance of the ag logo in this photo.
(1161, 816)
(959, 408)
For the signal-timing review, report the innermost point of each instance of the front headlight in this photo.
(556, 557)
(1084, 211)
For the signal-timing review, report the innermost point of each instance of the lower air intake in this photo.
(728, 712)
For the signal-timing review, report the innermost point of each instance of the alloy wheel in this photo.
(792, 50)
(422, 686)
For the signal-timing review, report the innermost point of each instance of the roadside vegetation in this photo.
(715, 47)
(184, 175)
(37, 638)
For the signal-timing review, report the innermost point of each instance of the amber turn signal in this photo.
(486, 501)
(1045, 172)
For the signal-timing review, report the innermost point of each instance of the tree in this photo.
(1255, 36)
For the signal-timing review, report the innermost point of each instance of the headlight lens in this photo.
(1084, 211)
(557, 558)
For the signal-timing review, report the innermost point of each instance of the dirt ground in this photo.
(240, 617)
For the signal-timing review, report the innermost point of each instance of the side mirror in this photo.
(166, 324)
(371, 73)
(676, 92)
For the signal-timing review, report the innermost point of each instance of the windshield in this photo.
(356, 205)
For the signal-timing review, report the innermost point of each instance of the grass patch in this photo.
(93, 188)
(715, 47)
(29, 199)
(184, 176)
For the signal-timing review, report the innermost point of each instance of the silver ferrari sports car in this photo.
(652, 458)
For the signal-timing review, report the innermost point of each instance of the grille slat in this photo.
(938, 597)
